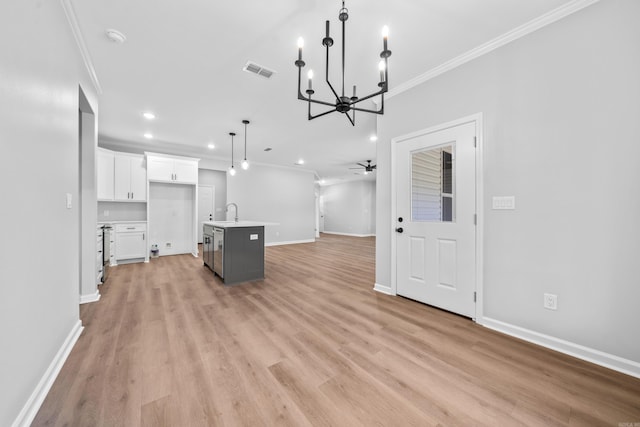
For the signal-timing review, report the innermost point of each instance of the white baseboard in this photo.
(349, 234)
(31, 408)
(598, 357)
(90, 298)
(383, 289)
(291, 242)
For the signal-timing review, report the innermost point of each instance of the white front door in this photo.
(435, 223)
(206, 197)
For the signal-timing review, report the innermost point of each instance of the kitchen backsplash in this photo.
(122, 211)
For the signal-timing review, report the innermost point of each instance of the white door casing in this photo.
(435, 255)
(206, 206)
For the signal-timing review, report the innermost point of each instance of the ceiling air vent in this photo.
(252, 67)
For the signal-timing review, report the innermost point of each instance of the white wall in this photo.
(280, 195)
(40, 73)
(561, 133)
(122, 211)
(88, 204)
(349, 208)
(171, 210)
(217, 179)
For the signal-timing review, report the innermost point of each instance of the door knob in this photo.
(399, 230)
(400, 219)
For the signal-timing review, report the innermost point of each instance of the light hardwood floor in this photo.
(312, 344)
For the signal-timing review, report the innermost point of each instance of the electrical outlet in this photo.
(551, 301)
(168, 244)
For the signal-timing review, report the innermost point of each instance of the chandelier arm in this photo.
(380, 92)
(315, 101)
(365, 110)
(350, 119)
(311, 117)
(326, 75)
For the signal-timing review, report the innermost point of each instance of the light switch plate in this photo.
(503, 202)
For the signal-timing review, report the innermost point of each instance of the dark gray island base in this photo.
(234, 251)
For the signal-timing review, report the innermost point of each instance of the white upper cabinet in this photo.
(130, 178)
(186, 171)
(179, 170)
(105, 174)
(160, 169)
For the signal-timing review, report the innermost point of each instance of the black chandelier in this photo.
(343, 103)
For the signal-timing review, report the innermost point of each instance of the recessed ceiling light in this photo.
(211, 146)
(148, 135)
(116, 36)
(322, 181)
(300, 162)
(149, 115)
(373, 138)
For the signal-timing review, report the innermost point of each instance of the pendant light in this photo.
(245, 163)
(232, 170)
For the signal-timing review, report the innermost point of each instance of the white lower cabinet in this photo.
(131, 241)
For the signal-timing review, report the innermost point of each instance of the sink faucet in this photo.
(234, 205)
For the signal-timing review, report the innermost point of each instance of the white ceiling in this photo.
(183, 61)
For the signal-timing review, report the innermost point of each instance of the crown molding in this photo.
(167, 148)
(82, 46)
(518, 32)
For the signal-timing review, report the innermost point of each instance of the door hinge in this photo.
(475, 142)
(474, 297)
(475, 219)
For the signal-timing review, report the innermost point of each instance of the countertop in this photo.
(232, 224)
(120, 222)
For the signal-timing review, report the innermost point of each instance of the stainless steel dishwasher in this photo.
(207, 245)
(218, 251)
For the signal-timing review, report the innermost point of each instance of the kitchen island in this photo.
(234, 251)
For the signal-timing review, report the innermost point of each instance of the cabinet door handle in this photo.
(132, 195)
(142, 236)
(131, 228)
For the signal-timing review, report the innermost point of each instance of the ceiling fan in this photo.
(367, 168)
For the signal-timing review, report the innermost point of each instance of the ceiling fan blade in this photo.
(374, 166)
(355, 168)
(364, 166)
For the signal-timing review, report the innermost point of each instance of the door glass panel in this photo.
(433, 184)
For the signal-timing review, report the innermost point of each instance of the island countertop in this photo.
(233, 224)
